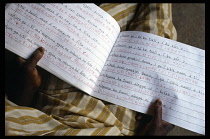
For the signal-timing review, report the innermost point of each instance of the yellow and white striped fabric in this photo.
(61, 109)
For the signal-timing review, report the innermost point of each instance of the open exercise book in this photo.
(85, 47)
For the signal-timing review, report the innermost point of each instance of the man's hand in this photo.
(31, 76)
(24, 79)
(156, 126)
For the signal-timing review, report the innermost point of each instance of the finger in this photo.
(138, 116)
(21, 60)
(167, 127)
(157, 112)
(34, 58)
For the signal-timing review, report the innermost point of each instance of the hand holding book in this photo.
(24, 78)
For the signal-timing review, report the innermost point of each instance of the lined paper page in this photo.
(143, 67)
(77, 38)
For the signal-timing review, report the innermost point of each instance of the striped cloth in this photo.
(60, 109)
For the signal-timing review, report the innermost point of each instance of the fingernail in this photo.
(138, 117)
(41, 49)
(158, 102)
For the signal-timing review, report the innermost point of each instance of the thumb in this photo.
(157, 113)
(34, 58)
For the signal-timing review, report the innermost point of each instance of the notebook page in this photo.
(143, 67)
(77, 38)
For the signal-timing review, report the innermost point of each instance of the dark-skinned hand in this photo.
(154, 126)
(24, 80)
